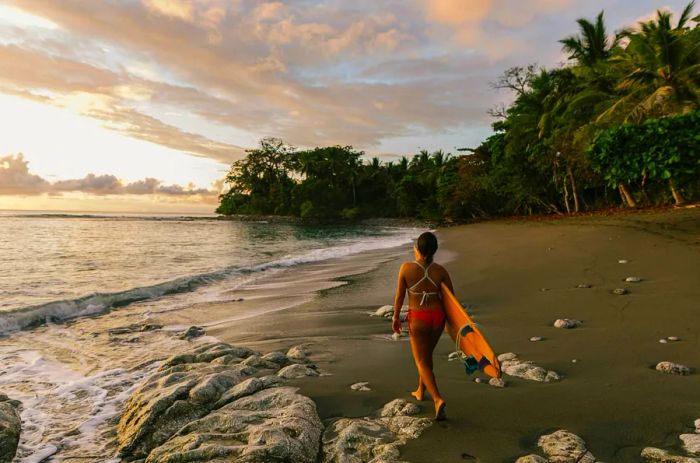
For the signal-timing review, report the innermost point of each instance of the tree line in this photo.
(617, 125)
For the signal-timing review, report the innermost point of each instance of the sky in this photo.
(142, 105)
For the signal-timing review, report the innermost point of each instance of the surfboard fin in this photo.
(470, 365)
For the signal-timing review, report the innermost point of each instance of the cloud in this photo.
(312, 72)
(16, 179)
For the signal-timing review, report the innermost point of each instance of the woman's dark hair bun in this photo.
(427, 244)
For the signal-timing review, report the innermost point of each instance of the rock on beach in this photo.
(671, 368)
(10, 428)
(513, 366)
(567, 323)
(560, 447)
(373, 439)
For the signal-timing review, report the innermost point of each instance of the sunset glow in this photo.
(176, 90)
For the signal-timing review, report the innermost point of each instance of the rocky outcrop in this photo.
(560, 447)
(271, 425)
(10, 428)
(373, 439)
(513, 366)
(176, 409)
(222, 404)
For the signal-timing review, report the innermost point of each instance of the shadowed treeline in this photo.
(618, 125)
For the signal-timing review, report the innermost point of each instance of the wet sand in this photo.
(518, 277)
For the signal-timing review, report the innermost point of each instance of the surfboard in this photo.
(468, 338)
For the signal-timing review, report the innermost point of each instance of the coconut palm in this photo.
(661, 66)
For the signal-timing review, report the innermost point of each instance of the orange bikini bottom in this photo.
(434, 318)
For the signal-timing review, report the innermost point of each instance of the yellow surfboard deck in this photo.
(468, 337)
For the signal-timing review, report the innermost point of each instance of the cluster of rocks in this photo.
(691, 446)
(10, 428)
(373, 439)
(560, 447)
(511, 365)
(223, 403)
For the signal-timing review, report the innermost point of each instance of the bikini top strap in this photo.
(425, 275)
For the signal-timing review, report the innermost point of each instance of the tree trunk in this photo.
(626, 195)
(676, 194)
(566, 197)
(574, 191)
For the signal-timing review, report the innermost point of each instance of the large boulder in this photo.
(10, 428)
(186, 388)
(271, 425)
(373, 439)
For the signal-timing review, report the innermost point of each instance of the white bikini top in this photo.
(425, 294)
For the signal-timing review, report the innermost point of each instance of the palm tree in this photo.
(662, 70)
(592, 45)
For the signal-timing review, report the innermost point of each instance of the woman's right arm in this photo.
(398, 300)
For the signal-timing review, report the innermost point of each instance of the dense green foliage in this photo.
(617, 124)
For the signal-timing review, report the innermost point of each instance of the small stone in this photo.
(663, 341)
(633, 279)
(361, 387)
(193, 332)
(507, 356)
(622, 261)
(383, 310)
(544, 289)
(533, 458)
(584, 286)
(574, 360)
(296, 370)
(697, 426)
(673, 368)
(654, 455)
(620, 291)
(297, 353)
(673, 338)
(479, 380)
(691, 443)
(497, 382)
(536, 338)
(276, 357)
(567, 323)
(564, 446)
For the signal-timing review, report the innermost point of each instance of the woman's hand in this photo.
(396, 325)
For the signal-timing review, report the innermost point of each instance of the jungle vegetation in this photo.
(616, 126)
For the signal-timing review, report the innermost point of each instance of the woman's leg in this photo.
(424, 338)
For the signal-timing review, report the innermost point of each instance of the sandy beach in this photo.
(518, 277)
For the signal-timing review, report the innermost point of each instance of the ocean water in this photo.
(54, 268)
(73, 287)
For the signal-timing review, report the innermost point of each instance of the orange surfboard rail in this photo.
(468, 338)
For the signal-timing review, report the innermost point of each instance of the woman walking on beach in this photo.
(426, 314)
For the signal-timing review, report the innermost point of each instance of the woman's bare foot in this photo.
(440, 414)
(418, 394)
